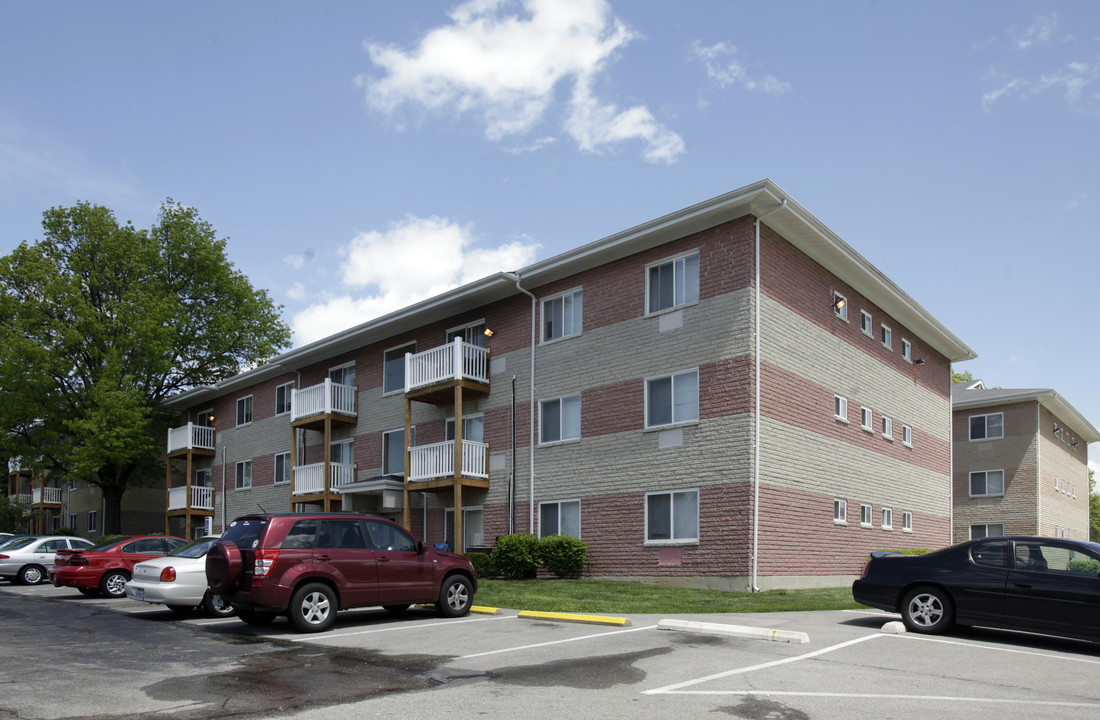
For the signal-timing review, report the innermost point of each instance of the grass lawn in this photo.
(608, 597)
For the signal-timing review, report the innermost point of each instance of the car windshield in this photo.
(104, 544)
(194, 549)
(17, 543)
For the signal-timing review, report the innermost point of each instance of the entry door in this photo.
(404, 575)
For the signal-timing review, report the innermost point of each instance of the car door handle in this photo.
(383, 559)
(324, 558)
(1022, 585)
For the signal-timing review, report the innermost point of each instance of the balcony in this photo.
(457, 363)
(24, 498)
(310, 479)
(202, 498)
(328, 399)
(191, 437)
(437, 461)
(46, 496)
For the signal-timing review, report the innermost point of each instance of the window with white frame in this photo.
(283, 394)
(92, 521)
(560, 517)
(865, 418)
(840, 511)
(887, 428)
(987, 427)
(672, 283)
(887, 337)
(672, 516)
(473, 527)
(672, 399)
(866, 324)
(865, 514)
(472, 334)
(244, 410)
(840, 306)
(560, 419)
(887, 518)
(984, 530)
(562, 315)
(906, 350)
(282, 468)
(907, 435)
(840, 407)
(473, 428)
(393, 451)
(244, 475)
(907, 521)
(987, 482)
(204, 477)
(343, 374)
(342, 452)
(393, 368)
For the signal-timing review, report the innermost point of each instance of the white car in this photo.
(25, 559)
(177, 580)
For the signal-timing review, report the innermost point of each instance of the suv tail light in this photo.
(265, 560)
(168, 574)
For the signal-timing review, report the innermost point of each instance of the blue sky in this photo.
(338, 144)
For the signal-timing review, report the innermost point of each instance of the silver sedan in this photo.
(178, 580)
(26, 560)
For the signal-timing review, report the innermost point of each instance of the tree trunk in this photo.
(112, 509)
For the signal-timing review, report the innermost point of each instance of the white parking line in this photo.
(883, 696)
(556, 642)
(945, 641)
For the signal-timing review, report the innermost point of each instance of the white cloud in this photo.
(297, 291)
(504, 63)
(411, 261)
(1071, 82)
(1038, 32)
(724, 68)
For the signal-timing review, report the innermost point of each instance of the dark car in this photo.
(1034, 584)
(105, 568)
(310, 565)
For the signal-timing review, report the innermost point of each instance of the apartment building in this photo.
(1020, 463)
(726, 396)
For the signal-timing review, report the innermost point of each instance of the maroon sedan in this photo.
(104, 569)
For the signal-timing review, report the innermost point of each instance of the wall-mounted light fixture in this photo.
(488, 332)
(918, 361)
(211, 419)
(838, 302)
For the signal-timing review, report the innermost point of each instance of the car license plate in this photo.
(138, 593)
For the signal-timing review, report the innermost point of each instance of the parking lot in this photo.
(71, 656)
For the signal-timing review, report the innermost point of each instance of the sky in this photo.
(339, 144)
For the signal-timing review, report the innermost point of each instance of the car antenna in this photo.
(261, 508)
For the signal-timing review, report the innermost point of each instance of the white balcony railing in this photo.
(50, 496)
(202, 498)
(310, 479)
(326, 398)
(458, 360)
(190, 437)
(24, 498)
(427, 462)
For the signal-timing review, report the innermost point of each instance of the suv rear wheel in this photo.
(454, 597)
(313, 608)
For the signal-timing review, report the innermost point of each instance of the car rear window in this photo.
(245, 533)
(107, 543)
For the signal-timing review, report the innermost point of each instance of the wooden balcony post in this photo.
(406, 514)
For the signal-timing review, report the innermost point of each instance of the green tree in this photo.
(100, 322)
(1094, 510)
(14, 515)
(958, 377)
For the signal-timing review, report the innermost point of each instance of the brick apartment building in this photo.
(611, 392)
(1020, 463)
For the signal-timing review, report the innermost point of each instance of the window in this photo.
(244, 410)
(887, 518)
(561, 517)
(283, 394)
(865, 323)
(840, 407)
(473, 527)
(840, 511)
(92, 527)
(72, 521)
(907, 521)
(907, 435)
(887, 428)
(987, 530)
(673, 284)
(393, 368)
(887, 337)
(244, 475)
(672, 516)
(672, 399)
(473, 428)
(393, 451)
(840, 306)
(204, 477)
(865, 515)
(906, 350)
(561, 316)
(282, 468)
(560, 419)
(987, 482)
(865, 418)
(472, 334)
(340, 451)
(987, 427)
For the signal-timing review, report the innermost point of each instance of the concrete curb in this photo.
(572, 617)
(755, 633)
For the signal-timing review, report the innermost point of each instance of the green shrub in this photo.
(483, 564)
(1084, 566)
(563, 555)
(516, 556)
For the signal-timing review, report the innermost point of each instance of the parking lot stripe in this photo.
(1048, 656)
(555, 642)
(885, 696)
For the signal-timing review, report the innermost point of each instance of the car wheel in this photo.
(455, 597)
(927, 610)
(181, 609)
(31, 575)
(113, 584)
(215, 610)
(256, 618)
(89, 592)
(313, 608)
(396, 609)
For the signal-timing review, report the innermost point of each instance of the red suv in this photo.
(105, 568)
(309, 565)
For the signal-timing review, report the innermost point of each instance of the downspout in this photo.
(531, 422)
(1038, 468)
(756, 430)
(223, 488)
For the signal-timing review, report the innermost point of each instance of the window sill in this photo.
(888, 528)
(907, 444)
(869, 526)
(674, 308)
(670, 543)
(987, 495)
(555, 341)
(841, 420)
(840, 522)
(908, 530)
(888, 437)
(555, 443)
(672, 426)
(986, 439)
(867, 430)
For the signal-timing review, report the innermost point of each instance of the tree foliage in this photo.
(958, 377)
(14, 515)
(100, 322)
(1094, 510)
